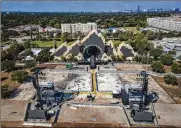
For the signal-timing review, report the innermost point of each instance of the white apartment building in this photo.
(78, 27)
(166, 23)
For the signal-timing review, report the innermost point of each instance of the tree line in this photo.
(56, 19)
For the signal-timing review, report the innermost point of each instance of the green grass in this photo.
(47, 43)
(133, 29)
(116, 43)
(50, 43)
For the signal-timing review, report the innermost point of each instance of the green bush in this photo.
(44, 56)
(30, 63)
(156, 52)
(19, 76)
(170, 79)
(176, 68)
(157, 66)
(166, 59)
(146, 60)
(7, 65)
(172, 52)
(4, 91)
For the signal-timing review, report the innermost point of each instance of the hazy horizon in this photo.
(88, 6)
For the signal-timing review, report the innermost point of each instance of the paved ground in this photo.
(69, 81)
(80, 82)
(13, 110)
(108, 82)
(94, 114)
(24, 92)
(168, 114)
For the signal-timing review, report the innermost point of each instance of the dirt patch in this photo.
(6, 79)
(12, 124)
(173, 91)
(50, 66)
(147, 67)
(167, 68)
(92, 115)
(13, 110)
(88, 125)
(128, 67)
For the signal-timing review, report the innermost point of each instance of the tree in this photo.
(170, 79)
(4, 55)
(172, 52)
(176, 68)
(43, 23)
(39, 37)
(114, 57)
(72, 58)
(19, 76)
(27, 44)
(137, 58)
(137, 28)
(150, 35)
(159, 47)
(44, 56)
(140, 44)
(156, 53)
(26, 53)
(123, 57)
(146, 60)
(63, 58)
(7, 33)
(157, 66)
(14, 50)
(55, 45)
(57, 25)
(52, 22)
(5, 91)
(64, 37)
(166, 59)
(7, 65)
(179, 57)
(105, 36)
(119, 58)
(30, 63)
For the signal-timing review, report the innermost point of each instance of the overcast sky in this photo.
(77, 6)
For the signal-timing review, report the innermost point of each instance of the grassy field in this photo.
(133, 29)
(50, 43)
(47, 43)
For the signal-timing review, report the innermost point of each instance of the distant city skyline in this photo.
(91, 6)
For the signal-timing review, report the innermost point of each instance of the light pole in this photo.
(147, 57)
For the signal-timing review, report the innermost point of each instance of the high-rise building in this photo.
(166, 23)
(176, 9)
(78, 27)
(138, 10)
